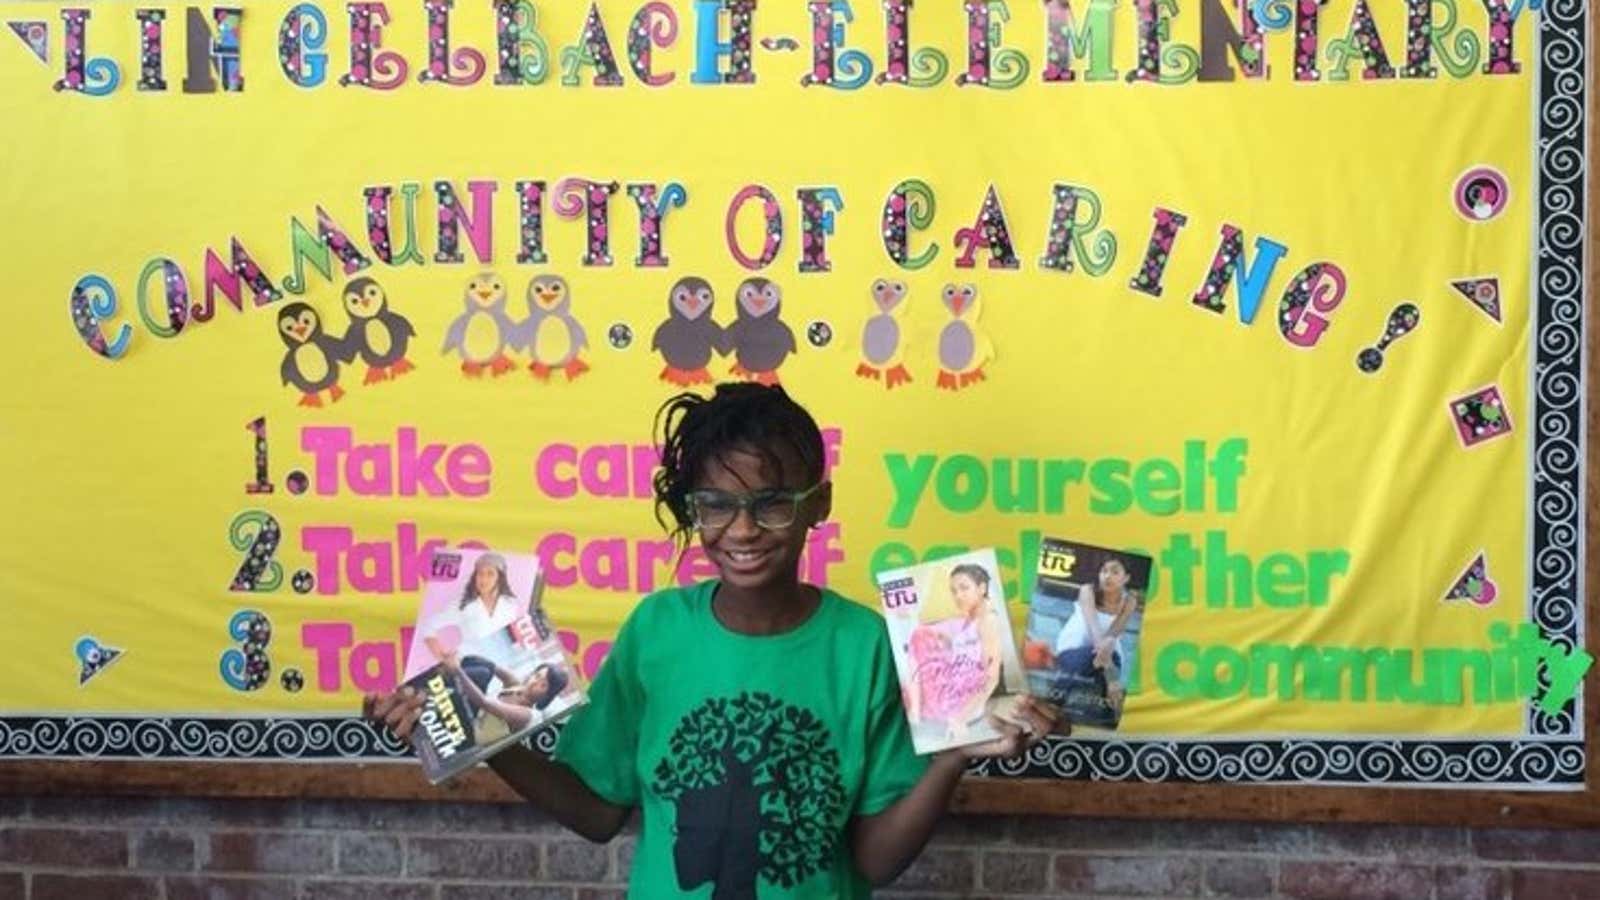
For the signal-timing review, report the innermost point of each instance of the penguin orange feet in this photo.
(976, 375)
(575, 368)
(685, 377)
(311, 400)
(335, 393)
(866, 371)
(400, 368)
(739, 371)
(898, 376)
(501, 365)
(948, 380)
(540, 371)
(375, 374)
(472, 369)
(767, 378)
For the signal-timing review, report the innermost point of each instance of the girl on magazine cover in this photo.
(1089, 645)
(958, 658)
(484, 616)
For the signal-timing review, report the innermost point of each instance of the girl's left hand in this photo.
(1025, 722)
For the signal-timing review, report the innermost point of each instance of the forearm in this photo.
(884, 844)
(556, 790)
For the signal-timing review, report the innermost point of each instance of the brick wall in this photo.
(92, 848)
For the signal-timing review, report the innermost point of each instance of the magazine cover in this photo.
(1082, 638)
(953, 648)
(485, 659)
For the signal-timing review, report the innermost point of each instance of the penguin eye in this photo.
(496, 286)
(704, 294)
(351, 298)
(746, 292)
(372, 292)
(899, 287)
(771, 291)
(679, 296)
(555, 288)
(878, 286)
(967, 290)
(949, 291)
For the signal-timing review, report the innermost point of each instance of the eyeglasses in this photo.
(713, 510)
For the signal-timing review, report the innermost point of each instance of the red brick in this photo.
(1234, 837)
(1553, 845)
(366, 890)
(1242, 876)
(64, 847)
(368, 815)
(269, 853)
(1354, 881)
(369, 854)
(1555, 884)
(1136, 875)
(1467, 883)
(966, 831)
(1015, 872)
(625, 848)
(82, 887)
(232, 813)
(576, 861)
(98, 810)
(1083, 834)
(1404, 842)
(163, 851)
(199, 887)
(12, 886)
(495, 818)
(940, 869)
(503, 892)
(485, 858)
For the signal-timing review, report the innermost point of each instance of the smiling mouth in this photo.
(746, 557)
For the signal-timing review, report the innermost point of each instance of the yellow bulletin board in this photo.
(1289, 296)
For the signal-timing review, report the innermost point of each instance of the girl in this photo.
(514, 702)
(483, 617)
(754, 721)
(1089, 645)
(963, 645)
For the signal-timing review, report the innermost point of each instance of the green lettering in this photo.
(1363, 666)
(909, 481)
(1173, 683)
(892, 555)
(1280, 581)
(1021, 495)
(1058, 473)
(1324, 565)
(1299, 671)
(1153, 478)
(963, 483)
(1219, 687)
(1112, 494)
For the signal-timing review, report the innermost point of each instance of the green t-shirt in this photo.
(747, 756)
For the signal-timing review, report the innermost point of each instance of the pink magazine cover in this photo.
(485, 658)
(953, 648)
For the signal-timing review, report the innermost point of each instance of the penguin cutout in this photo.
(963, 349)
(550, 334)
(759, 339)
(882, 341)
(377, 334)
(312, 363)
(482, 333)
(689, 335)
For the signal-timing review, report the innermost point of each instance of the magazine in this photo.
(485, 659)
(953, 649)
(1082, 639)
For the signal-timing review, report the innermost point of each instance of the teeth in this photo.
(744, 555)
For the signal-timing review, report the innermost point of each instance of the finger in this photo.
(407, 723)
(367, 703)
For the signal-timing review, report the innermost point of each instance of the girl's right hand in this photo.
(397, 711)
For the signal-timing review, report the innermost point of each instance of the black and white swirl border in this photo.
(1556, 598)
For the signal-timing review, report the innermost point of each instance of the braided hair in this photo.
(695, 431)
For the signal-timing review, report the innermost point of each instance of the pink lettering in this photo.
(327, 639)
(547, 473)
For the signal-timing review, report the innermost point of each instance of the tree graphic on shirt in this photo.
(758, 794)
